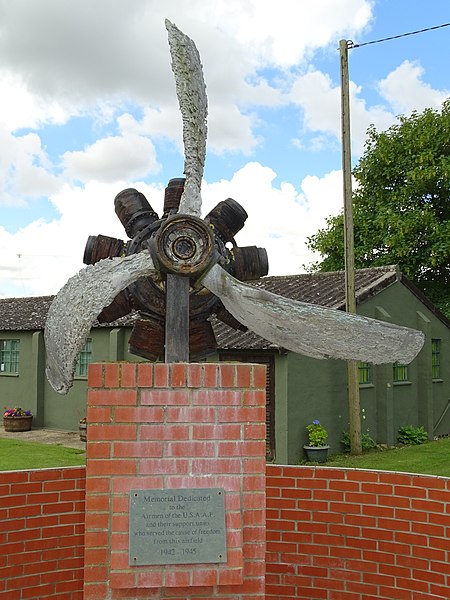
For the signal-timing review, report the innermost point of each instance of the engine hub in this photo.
(183, 245)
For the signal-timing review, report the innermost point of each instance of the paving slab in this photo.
(70, 439)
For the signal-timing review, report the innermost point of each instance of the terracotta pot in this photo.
(17, 423)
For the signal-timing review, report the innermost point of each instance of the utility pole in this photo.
(354, 410)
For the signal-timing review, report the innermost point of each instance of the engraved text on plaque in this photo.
(177, 526)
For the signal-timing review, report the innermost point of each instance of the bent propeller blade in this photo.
(313, 330)
(78, 304)
(191, 92)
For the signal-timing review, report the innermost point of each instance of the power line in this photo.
(395, 37)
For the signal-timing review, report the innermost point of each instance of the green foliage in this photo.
(367, 442)
(412, 436)
(401, 205)
(317, 434)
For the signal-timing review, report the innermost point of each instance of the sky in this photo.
(88, 107)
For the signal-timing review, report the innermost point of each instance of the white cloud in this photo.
(21, 108)
(59, 58)
(320, 102)
(25, 170)
(40, 257)
(319, 99)
(231, 131)
(108, 61)
(112, 159)
(282, 32)
(404, 89)
(120, 46)
(156, 122)
(280, 218)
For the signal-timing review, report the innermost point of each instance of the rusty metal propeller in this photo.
(177, 270)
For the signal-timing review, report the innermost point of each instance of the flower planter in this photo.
(83, 431)
(316, 453)
(17, 423)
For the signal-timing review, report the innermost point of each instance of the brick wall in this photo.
(177, 426)
(42, 534)
(345, 534)
(332, 534)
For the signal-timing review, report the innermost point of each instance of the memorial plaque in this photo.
(177, 526)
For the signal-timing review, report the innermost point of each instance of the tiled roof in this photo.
(328, 289)
(324, 289)
(24, 314)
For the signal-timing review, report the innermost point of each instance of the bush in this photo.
(367, 442)
(412, 436)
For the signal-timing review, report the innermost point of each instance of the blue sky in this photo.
(88, 108)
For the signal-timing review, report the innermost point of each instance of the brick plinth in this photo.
(178, 426)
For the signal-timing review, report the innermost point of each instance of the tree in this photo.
(401, 205)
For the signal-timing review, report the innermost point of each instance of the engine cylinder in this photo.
(119, 307)
(202, 341)
(172, 195)
(147, 339)
(101, 246)
(228, 217)
(250, 262)
(134, 211)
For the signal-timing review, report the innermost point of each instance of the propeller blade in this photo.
(313, 330)
(76, 307)
(191, 92)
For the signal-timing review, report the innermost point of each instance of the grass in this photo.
(431, 458)
(16, 455)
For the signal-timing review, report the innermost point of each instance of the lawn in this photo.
(431, 458)
(16, 455)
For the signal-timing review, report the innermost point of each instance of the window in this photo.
(400, 373)
(9, 356)
(84, 359)
(364, 373)
(436, 359)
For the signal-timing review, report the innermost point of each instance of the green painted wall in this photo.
(422, 400)
(305, 388)
(282, 408)
(19, 390)
(31, 390)
(317, 389)
(64, 412)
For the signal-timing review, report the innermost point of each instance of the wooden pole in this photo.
(349, 253)
(177, 319)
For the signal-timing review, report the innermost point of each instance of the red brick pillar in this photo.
(178, 426)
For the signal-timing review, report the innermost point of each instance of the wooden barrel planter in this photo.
(12, 424)
(83, 431)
